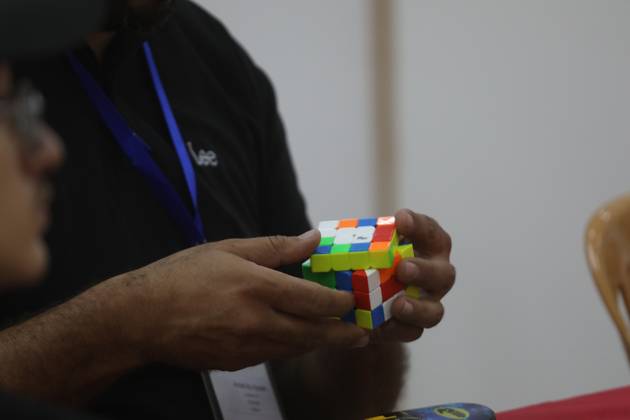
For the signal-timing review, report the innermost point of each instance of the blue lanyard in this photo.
(140, 154)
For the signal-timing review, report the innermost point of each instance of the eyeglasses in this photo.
(25, 109)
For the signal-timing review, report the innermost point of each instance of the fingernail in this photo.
(306, 236)
(410, 271)
(363, 342)
(407, 309)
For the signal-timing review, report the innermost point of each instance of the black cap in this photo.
(30, 28)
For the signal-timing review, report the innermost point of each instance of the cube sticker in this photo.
(379, 234)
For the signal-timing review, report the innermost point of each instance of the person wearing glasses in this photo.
(174, 147)
(29, 153)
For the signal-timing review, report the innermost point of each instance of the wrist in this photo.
(121, 312)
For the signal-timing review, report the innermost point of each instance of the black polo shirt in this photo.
(106, 220)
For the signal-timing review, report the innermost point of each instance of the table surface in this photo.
(613, 404)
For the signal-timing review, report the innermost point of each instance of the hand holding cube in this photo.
(361, 256)
(421, 270)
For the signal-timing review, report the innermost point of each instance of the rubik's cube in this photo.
(361, 256)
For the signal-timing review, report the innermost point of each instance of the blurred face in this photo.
(29, 152)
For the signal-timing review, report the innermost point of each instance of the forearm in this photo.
(348, 385)
(69, 353)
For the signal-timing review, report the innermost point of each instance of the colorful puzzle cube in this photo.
(355, 244)
(361, 256)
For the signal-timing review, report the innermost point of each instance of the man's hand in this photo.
(430, 270)
(363, 382)
(221, 306)
(216, 306)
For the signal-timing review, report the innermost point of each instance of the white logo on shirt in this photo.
(203, 158)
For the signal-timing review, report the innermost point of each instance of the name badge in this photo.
(247, 394)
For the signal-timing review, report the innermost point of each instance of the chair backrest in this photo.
(608, 255)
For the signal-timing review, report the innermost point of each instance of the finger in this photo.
(273, 251)
(306, 335)
(418, 313)
(436, 277)
(426, 234)
(301, 297)
(397, 332)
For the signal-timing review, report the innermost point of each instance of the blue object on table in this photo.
(457, 411)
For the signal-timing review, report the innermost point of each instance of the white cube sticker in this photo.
(329, 224)
(345, 236)
(389, 220)
(328, 233)
(373, 279)
(364, 235)
(387, 305)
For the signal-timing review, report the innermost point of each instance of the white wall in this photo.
(318, 55)
(514, 119)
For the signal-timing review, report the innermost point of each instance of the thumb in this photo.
(274, 251)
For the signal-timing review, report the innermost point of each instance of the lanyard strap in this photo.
(139, 153)
(173, 128)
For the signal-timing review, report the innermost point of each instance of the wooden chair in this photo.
(608, 255)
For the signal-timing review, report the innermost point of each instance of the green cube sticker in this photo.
(340, 258)
(320, 263)
(413, 292)
(327, 241)
(359, 260)
(406, 251)
(326, 279)
(364, 319)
